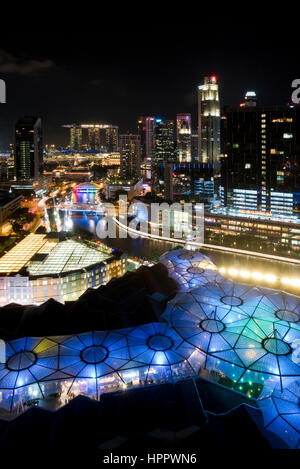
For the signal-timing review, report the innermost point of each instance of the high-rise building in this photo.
(195, 146)
(146, 133)
(150, 126)
(93, 138)
(130, 156)
(75, 137)
(209, 123)
(184, 138)
(141, 128)
(28, 151)
(261, 158)
(112, 138)
(164, 141)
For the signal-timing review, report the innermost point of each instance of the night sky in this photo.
(113, 68)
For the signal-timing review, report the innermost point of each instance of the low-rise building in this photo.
(41, 267)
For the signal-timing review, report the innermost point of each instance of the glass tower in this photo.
(209, 122)
(28, 148)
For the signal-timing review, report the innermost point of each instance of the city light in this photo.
(197, 274)
(260, 277)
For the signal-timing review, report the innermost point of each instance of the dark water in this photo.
(151, 250)
(139, 247)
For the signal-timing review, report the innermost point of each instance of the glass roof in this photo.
(19, 255)
(245, 337)
(239, 329)
(190, 269)
(92, 363)
(281, 412)
(66, 256)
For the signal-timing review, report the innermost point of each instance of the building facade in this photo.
(130, 156)
(28, 148)
(261, 158)
(164, 141)
(41, 267)
(184, 138)
(209, 122)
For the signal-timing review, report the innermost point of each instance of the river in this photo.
(151, 250)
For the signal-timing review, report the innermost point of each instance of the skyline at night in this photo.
(146, 73)
(149, 233)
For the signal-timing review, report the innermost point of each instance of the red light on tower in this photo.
(214, 78)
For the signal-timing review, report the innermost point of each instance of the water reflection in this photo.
(152, 250)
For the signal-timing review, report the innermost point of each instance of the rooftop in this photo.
(19, 255)
(66, 256)
(45, 256)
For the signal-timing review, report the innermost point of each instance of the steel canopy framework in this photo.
(247, 337)
(240, 331)
(281, 412)
(92, 363)
(190, 269)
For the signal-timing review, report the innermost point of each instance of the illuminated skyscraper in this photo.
(164, 141)
(146, 132)
(209, 122)
(195, 146)
(184, 138)
(261, 158)
(75, 137)
(28, 152)
(93, 138)
(112, 138)
(150, 123)
(141, 127)
(130, 155)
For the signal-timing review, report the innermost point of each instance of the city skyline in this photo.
(144, 74)
(149, 233)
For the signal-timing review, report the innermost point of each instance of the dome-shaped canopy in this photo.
(93, 363)
(281, 413)
(189, 269)
(240, 331)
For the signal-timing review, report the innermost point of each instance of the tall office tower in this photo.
(209, 122)
(184, 138)
(112, 139)
(75, 137)
(102, 139)
(130, 156)
(146, 132)
(195, 146)
(28, 150)
(150, 125)
(164, 141)
(261, 158)
(93, 138)
(141, 128)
